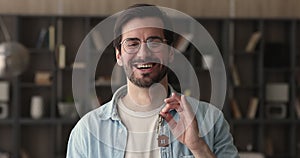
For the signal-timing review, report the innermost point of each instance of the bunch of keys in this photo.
(163, 140)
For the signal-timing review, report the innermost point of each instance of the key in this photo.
(163, 140)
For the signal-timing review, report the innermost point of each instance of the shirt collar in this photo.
(109, 110)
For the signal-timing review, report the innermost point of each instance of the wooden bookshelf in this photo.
(16, 130)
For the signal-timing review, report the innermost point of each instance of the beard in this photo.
(147, 79)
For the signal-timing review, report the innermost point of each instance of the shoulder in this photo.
(85, 133)
(209, 117)
(203, 109)
(92, 118)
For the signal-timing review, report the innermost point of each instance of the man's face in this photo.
(145, 63)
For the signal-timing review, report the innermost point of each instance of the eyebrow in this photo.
(150, 37)
(132, 38)
(153, 37)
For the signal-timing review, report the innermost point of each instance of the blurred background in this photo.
(259, 42)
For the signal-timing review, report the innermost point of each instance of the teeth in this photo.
(144, 66)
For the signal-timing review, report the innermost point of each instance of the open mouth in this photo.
(144, 66)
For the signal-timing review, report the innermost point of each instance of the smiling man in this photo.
(147, 118)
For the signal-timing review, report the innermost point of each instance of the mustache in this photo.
(146, 60)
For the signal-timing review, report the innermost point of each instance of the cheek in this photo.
(124, 60)
(164, 58)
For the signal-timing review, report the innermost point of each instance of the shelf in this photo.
(40, 51)
(246, 121)
(67, 68)
(66, 121)
(246, 54)
(34, 85)
(247, 87)
(277, 121)
(232, 41)
(44, 121)
(48, 121)
(255, 70)
(297, 121)
(277, 70)
(6, 121)
(280, 156)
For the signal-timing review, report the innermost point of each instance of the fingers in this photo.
(180, 104)
(172, 103)
(174, 98)
(170, 120)
(186, 116)
(170, 106)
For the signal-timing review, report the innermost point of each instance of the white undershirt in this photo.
(141, 127)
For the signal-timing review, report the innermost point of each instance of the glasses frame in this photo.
(147, 42)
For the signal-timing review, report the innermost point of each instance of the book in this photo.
(235, 109)
(3, 111)
(43, 78)
(277, 92)
(269, 146)
(251, 45)
(297, 108)
(252, 108)
(51, 38)
(42, 38)
(4, 91)
(235, 76)
(62, 56)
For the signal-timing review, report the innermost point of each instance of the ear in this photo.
(119, 57)
(171, 54)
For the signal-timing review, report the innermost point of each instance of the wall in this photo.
(197, 8)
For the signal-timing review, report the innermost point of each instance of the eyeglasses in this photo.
(133, 45)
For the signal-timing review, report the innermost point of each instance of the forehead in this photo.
(142, 25)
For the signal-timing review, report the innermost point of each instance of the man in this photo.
(146, 118)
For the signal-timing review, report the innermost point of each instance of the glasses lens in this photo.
(155, 44)
(131, 45)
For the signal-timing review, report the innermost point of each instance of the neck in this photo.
(146, 99)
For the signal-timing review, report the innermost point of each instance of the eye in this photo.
(154, 42)
(132, 43)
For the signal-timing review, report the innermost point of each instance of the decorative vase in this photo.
(37, 107)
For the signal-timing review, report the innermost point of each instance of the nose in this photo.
(143, 51)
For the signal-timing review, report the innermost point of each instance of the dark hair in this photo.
(140, 11)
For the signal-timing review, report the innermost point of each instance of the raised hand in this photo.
(186, 129)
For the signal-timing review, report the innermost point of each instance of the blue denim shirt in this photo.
(101, 134)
